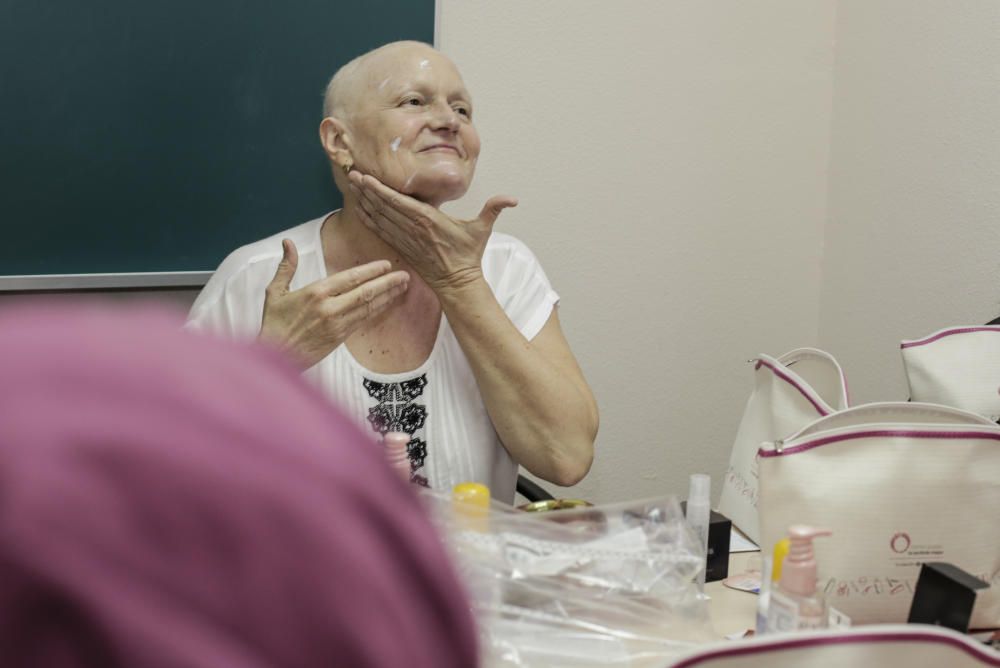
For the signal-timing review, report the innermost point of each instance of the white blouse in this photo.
(438, 403)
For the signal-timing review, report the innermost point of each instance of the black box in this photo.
(719, 529)
(944, 596)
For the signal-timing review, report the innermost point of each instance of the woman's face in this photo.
(413, 126)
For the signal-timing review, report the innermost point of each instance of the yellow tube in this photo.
(780, 552)
(471, 503)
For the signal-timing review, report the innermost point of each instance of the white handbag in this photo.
(958, 366)
(898, 484)
(873, 647)
(789, 392)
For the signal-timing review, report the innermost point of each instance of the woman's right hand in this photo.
(311, 321)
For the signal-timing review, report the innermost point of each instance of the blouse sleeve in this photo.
(231, 304)
(519, 284)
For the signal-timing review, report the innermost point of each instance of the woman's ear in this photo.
(336, 142)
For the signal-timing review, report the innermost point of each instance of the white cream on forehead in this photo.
(425, 64)
(395, 144)
(383, 84)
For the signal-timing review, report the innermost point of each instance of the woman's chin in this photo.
(436, 190)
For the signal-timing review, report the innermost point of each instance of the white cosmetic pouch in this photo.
(872, 647)
(958, 366)
(898, 484)
(789, 392)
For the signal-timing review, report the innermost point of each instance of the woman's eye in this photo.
(463, 111)
(413, 101)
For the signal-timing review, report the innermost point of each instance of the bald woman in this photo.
(410, 319)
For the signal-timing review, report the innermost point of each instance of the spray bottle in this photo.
(796, 603)
(698, 515)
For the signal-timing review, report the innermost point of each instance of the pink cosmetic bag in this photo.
(789, 392)
(898, 484)
(911, 646)
(958, 366)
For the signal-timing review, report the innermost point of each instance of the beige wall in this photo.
(670, 158)
(913, 239)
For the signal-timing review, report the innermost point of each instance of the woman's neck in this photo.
(402, 337)
(347, 243)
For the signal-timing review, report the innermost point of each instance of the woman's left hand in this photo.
(446, 252)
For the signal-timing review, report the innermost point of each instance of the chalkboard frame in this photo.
(114, 281)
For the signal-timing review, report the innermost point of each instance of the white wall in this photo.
(671, 162)
(913, 238)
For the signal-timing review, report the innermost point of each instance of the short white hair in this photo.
(342, 89)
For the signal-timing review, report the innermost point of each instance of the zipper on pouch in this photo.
(778, 447)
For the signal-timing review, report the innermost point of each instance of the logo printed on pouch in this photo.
(900, 542)
(909, 554)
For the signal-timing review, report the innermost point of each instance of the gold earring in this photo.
(347, 167)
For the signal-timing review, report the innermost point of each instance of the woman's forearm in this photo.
(534, 392)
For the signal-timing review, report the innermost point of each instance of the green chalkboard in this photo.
(146, 136)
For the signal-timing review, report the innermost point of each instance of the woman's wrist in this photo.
(459, 286)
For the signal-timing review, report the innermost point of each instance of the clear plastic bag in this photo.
(605, 585)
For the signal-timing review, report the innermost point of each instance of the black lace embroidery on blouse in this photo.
(396, 410)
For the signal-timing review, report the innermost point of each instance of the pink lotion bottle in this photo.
(796, 603)
(395, 443)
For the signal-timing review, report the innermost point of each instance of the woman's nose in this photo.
(444, 117)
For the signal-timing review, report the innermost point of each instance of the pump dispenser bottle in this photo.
(395, 443)
(795, 602)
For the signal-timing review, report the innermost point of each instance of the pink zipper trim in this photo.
(908, 433)
(983, 655)
(947, 332)
(791, 381)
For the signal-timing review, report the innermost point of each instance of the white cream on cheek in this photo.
(394, 146)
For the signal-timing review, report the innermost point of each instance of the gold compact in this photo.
(553, 504)
(584, 524)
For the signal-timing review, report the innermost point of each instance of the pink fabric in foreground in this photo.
(167, 499)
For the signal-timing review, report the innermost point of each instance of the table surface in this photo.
(733, 611)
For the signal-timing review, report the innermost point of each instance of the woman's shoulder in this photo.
(518, 282)
(502, 249)
(253, 265)
(268, 250)
(500, 241)
(506, 254)
(508, 263)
